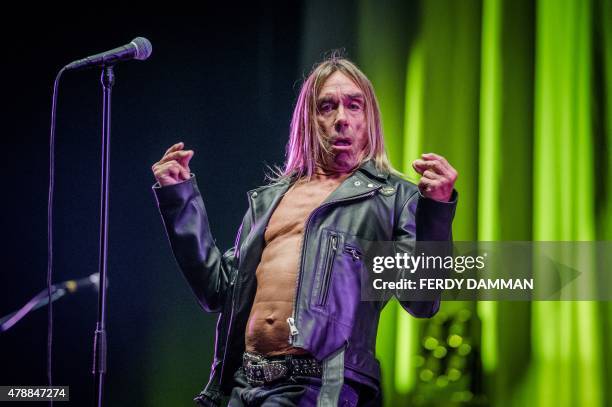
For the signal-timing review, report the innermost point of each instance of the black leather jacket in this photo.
(328, 314)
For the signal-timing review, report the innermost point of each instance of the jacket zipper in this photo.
(353, 251)
(332, 247)
(293, 331)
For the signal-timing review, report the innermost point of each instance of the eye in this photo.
(326, 107)
(354, 106)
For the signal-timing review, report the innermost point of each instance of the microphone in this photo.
(75, 285)
(139, 48)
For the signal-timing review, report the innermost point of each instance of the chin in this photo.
(345, 163)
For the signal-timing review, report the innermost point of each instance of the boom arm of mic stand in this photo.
(40, 300)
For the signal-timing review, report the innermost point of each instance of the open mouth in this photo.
(341, 142)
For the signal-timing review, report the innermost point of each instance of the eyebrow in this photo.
(352, 96)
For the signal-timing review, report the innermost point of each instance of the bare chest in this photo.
(298, 203)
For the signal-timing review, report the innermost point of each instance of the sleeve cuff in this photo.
(176, 193)
(434, 219)
(452, 201)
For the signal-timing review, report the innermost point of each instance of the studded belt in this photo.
(260, 370)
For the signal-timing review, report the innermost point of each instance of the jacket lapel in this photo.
(362, 182)
(264, 200)
(355, 186)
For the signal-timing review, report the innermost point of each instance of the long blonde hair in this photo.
(305, 147)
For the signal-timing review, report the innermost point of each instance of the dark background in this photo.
(224, 83)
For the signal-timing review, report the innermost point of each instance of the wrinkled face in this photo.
(341, 117)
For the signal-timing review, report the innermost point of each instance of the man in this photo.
(293, 329)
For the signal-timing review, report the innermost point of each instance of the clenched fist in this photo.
(173, 166)
(438, 176)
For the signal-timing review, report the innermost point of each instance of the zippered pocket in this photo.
(328, 265)
(354, 251)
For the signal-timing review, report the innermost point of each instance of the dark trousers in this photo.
(299, 391)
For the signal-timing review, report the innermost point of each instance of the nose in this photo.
(341, 123)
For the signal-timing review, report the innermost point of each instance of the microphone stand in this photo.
(99, 351)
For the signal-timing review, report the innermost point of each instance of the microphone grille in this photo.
(143, 48)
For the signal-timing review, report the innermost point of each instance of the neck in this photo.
(323, 172)
(334, 166)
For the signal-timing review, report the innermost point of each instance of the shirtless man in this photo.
(344, 139)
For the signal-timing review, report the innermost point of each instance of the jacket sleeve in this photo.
(424, 220)
(207, 271)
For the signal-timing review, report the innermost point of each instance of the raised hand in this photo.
(173, 166)
(438, 176)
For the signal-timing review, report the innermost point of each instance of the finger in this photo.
(185, 175)
(433, 156)
(430, 182)
(174, 155)
(169, 168)
(175, 147)
(186, 158)
(181, 157)
(418, 167)
(175, 171)
(428, 185)
(444, 161)
(431, 175)
(419, 163)
(435, 166)
(424, 186)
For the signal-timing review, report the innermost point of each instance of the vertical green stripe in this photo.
(489, 160)
(407, 327)
(566, 342)
(406, 344)
(382, 47)
(413, 125)
(490, 121)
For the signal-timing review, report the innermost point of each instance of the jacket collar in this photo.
(369, 168)
(367, 177)
(263, 200)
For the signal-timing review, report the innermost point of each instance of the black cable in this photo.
(50, 228)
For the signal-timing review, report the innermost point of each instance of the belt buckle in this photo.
(271, 370)
(274, 370)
